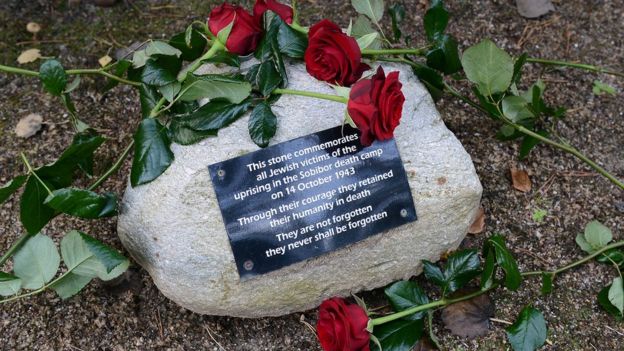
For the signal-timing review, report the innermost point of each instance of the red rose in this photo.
(284, 11)
(246, 32)
(375, 106)
(333, 56)
(342, 326)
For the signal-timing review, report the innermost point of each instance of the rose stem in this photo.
(311, 94)
(82, 71)
(446, 302)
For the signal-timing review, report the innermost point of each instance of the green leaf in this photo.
(431, 79)
(82, 203)
(262, 124)
(120, 69)
(601, 88)
(170, 90)
(33, 213)
(612, 256)
(86, 256)
(184, 135)
(489, 268)
(190, 49)
(372, 9)
(399, 335)
(9, 284)
(516, 109)
(397, 14)
(363, 26)
(139, 58)
(214, 115)
(460, 268)
(291, 43)
(506, 261)
(436, 20)
(149, 98)
(162, 70)
(547, 283)
(528, 333)
(72, 86)
(214, 86)
(152, 155)
(603, 300)
(597, 235)
(518, 65)
(70, 284)
(407, 294)
(434, 273)
(444, 56)
(36, 262)
(12, 186)
(583, 244)
(539, 214)
(489, 67)
(616, 294)
(161, 48)
(529, 142)
(226, 58)
(268, 78)
(53, 77)
(78, 154)
(367, 40)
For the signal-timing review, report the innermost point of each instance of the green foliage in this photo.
(495, 249)
(9, 284)
(148, 97)
(435, 20)
(460, 268)
(603, 88)
(290, 42)
(53, 77)
(161, 48)
(432, 80)
(397, 14)
(605, 302)
(547, 283)
(616, 294)
(36, 262)
(12, 186)
(539, 214)
(407, 294)
(161, 70)
(192, 48)
(82, 203)
(595, 237)
(363, 27)
(152, 155)
(34, 214)
(212, 86)
(372, 9)
(399, 335)
(528, 332)
(262, 124)
(444, 55)
(489, 67)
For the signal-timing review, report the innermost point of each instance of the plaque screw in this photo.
(248, 265)
(221, 173)
(403, 213)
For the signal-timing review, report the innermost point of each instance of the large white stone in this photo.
(174, 229)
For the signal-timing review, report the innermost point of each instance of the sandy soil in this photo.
(133, 315)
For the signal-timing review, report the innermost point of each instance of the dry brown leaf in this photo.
(104, 60)
(28, 126)
(469, 318)
(520, 180)
(478, 226)
(30, 55)
(33, 27)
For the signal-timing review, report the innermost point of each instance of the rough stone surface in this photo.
(174, 229)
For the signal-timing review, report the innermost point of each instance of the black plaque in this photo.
(308, 196)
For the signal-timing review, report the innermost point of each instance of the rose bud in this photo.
(246, 32)
(333, 56)
(376, 105)
(284, 11)
(342, 326)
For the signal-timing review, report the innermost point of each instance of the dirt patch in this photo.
(135, 316)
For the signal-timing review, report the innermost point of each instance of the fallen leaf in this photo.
(30, 55)
(534, 8)
(28, 126)
(33, 27)
(104, 60)
(520, 180)
(478, 226)
(469, 318)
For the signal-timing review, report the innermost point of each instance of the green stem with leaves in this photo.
(377, 52)
(582, 66)
(82, 71)
(311, 94)
(446, 301)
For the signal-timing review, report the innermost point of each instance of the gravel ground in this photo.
(133, 315)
